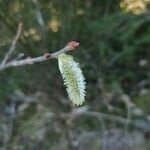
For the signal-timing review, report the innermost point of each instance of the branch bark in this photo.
(28, 61)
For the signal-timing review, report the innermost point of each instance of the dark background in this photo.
(114, 54)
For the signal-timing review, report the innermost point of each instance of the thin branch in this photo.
(13, 46)
(28, 61)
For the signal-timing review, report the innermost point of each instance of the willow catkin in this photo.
(73, 78)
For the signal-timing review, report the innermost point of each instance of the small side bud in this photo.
(46, 55)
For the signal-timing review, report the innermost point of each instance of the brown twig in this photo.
(46, 56)
(15, 62)
(13, 45)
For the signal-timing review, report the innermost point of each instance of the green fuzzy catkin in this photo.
(73, 78)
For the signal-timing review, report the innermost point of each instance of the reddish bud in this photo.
(46, 55)
(73, 44)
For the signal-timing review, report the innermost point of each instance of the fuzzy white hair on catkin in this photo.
(73, 78)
